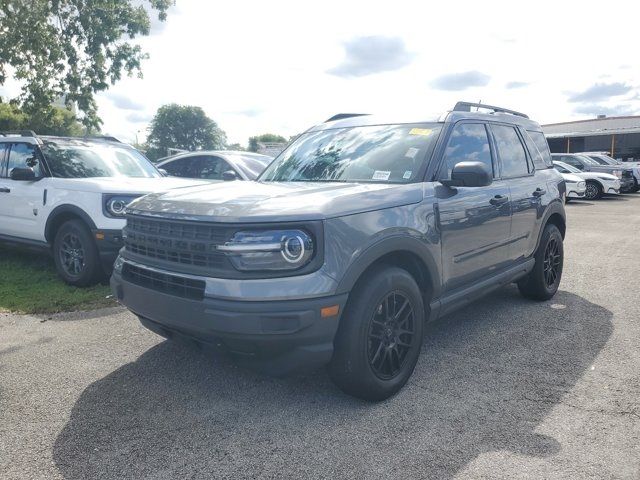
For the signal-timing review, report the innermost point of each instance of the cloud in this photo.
(139, 117)
(511, 85)
(124, 102)
(249, 112)
(600, 91)
(598, 109)
(373, 54)
(460, 81)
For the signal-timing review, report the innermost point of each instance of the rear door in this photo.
(475, 222)
(525, 187)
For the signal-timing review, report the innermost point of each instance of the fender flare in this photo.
(387, 245)
(62, 209)
(554, 207)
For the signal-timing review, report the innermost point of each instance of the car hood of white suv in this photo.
(131, 185)
(595, 175)
(572, 178)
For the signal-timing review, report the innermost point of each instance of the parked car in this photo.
(586, 164)
(634, 167)
(576, 186)
(596, 183)
(216, 165)
(68, 196)
(362, 229)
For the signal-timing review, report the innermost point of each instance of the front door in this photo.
(21, 201)
(475, 222)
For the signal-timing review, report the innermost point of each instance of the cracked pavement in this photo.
(505, 388)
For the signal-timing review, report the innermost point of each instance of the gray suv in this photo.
(352, 238)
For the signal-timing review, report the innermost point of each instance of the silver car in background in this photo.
(596, 183)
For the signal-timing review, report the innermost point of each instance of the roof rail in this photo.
(108, 138)
(340, 116)
(18, 133)
(466, 107)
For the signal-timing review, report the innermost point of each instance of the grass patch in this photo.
(29, 284)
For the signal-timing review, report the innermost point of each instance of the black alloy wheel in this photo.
(391, 332)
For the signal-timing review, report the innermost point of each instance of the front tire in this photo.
(543, 281)
(593, 191)
(76, 255)
(380, 335)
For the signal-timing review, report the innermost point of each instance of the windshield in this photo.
(565, 168)
(376, 153)
(251, 165)
(84, 160)
(605, 160)
(587, 160)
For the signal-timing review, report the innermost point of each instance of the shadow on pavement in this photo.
(487, 377)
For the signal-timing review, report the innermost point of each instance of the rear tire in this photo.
(543, 281)
(76, 255)
(593, 191)
(379, 339)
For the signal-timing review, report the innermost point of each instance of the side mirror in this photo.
(163, 172)
(229, 175)
(24, 174)
(469, 174)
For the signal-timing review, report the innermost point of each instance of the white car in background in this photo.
(596, 183)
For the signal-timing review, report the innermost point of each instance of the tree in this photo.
(186, 127)
(264, 138)
(236, 146)
(72, 49)
(58, 121)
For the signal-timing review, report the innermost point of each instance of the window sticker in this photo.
(381, 175)
(420, 131)
(412, 152)
(407, 175)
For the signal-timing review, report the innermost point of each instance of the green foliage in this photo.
(265, 138)
(72, 48)
(55, 121)
(29, 284)
(186, 127)
(236, 146)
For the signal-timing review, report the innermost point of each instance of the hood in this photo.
(572, 178)
(126, 184)
(587, 175)
(276, 201)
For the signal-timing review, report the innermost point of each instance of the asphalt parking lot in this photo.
(505, 388)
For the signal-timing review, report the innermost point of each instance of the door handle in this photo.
(499, 200)
(539, 192)
(5, 190)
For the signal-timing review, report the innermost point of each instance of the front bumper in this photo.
(626, 184)
(278, 337)
(109, 243)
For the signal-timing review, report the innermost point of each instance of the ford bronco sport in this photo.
(355, 235)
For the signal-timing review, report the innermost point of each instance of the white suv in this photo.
(68, 196)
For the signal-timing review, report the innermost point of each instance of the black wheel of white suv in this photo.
(380, 335)
(543, 281)
(76, 255)
(593, 191)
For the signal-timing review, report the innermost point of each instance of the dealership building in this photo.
(620, 136)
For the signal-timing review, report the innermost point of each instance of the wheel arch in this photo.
(554, 215)
(61, 214)
(407, 253)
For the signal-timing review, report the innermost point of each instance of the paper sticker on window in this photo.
(407, 175)
(381, 175)
(420, 131)
(412, 152)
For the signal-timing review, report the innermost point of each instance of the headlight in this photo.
(618, 173)
(269, 250)
(116, 205)
(582, 184)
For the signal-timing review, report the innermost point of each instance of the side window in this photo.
(182, 167)
(23, 155)
(538, 149)
(511, 151)
(468, 143)
(211, 168)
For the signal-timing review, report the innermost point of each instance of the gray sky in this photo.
(281, 66)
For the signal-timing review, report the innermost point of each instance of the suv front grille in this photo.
(162, 282)
(191, 244)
